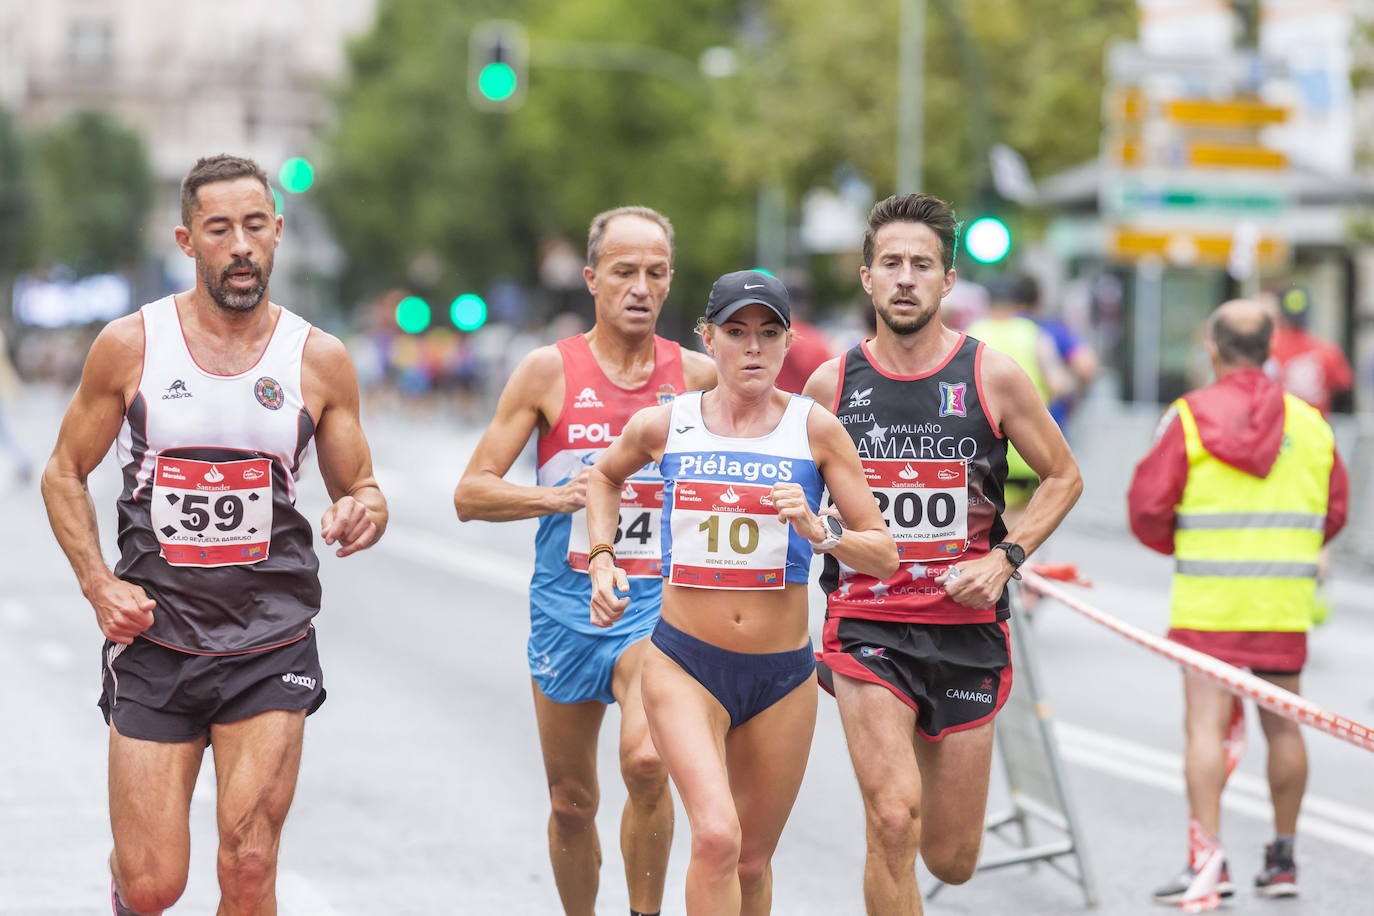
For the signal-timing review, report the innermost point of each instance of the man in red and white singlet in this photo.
(578, 395)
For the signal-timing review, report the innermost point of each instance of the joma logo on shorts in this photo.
(299, 680)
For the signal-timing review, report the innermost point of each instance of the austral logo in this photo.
(269, 393)
(176, 390)
(587, 398)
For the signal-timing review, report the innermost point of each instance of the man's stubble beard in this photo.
(231, 300)
(905, 327)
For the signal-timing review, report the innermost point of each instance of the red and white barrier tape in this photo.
(1285, 703)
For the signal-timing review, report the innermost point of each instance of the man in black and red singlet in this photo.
(920, 662)
(210, 397)
(578, 394)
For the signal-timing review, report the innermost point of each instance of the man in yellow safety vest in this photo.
(1243, 486)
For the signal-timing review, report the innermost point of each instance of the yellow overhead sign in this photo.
(1187, 248)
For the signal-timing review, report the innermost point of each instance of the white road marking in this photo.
(14, 613)
(1335, 822)
(54, 655)
(446, 555)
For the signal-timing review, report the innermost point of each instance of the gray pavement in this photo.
(422, 793)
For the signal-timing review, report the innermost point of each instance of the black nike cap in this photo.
(734, 291)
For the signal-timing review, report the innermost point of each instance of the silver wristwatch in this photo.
(833, 532)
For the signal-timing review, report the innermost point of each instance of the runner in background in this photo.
(577, 394)
(810, 344)
(1005, 327)
(1314, 370)
(1076, 353)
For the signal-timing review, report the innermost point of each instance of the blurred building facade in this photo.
(252, 78)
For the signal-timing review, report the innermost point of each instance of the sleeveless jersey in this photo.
(207, 518)
(719, 527)
(937, 468)
(594, 413)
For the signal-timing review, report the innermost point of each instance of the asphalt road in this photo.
(422, 792)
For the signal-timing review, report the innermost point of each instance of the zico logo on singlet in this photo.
(859, 397)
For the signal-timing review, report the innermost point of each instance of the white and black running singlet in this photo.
(207, 518)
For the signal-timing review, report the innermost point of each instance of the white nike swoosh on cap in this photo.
(755, 286)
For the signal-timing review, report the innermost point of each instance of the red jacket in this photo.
(1240, 421)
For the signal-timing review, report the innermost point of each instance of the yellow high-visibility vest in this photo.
(1246, 548)
(1019, 338)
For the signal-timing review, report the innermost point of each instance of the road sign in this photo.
(1189, 248)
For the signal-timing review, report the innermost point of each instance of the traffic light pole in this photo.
(600, 55)
(911, 64)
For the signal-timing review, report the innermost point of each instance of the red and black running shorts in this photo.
(154, 693)
(955, 676)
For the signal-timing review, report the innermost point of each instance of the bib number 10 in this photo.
(742, 532)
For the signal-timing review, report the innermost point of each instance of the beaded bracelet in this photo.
(598, 549)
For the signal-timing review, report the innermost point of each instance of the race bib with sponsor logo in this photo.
(924, 503)
(727, 535)
(638, 547)
(212, 513)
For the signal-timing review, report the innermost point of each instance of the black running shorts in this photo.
(154, 693)
(955, 676)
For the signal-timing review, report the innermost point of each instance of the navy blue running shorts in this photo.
(154, 693)
(744, 683)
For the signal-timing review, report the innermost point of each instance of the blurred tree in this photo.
(18, 215)
(94, 189)
(594, 139)
(819, 89)
(415, 171)
(426, 190)
(418, 185)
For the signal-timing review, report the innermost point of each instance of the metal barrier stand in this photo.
(1035, 774)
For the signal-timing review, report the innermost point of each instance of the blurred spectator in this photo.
(11, 386)
(1075, 352)
(1309, 367)
(1004, 327)
(811, 345)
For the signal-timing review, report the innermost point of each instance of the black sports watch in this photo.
(1015, 556)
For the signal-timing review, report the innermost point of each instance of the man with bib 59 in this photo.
(211, 397)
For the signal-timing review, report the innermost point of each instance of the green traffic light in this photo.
(987, 240)
(468, 312)
(497, 81)
(296, 175)
(412, 314)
